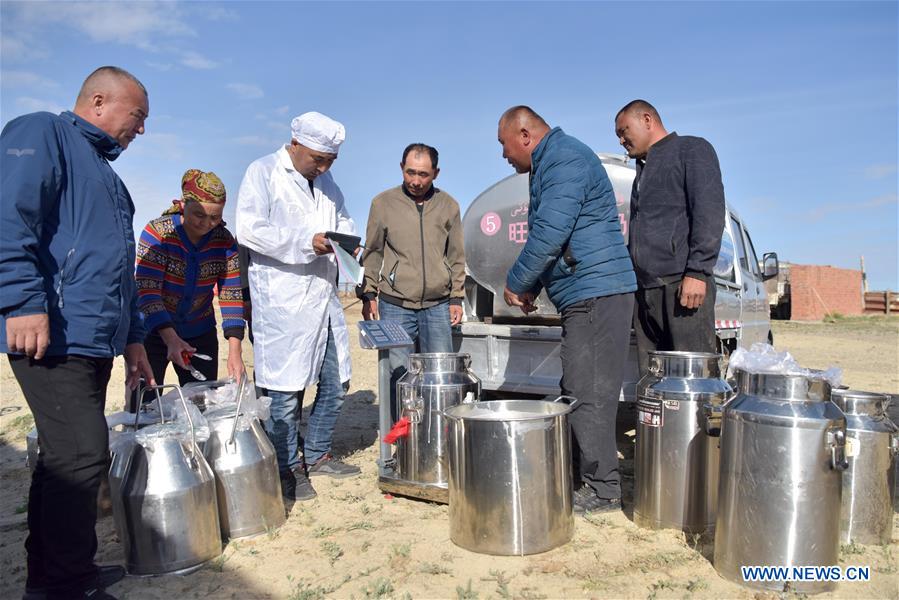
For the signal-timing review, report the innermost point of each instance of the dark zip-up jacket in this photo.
(414, 258)
(677, 211)
(575, 248)
(66, 238)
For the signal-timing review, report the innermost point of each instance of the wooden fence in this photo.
(879, 303)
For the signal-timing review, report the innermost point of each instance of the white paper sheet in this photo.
(349, 267)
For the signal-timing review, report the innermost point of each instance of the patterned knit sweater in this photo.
(176, 279)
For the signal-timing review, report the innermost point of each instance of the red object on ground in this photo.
(399, 429)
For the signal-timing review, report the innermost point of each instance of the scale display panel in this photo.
(377, 335)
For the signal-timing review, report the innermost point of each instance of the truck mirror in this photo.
(770, 265)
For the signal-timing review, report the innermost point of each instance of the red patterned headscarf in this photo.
(201, 187)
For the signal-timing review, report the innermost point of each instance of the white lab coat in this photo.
(293, 291)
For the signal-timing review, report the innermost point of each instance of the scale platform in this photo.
(393, 485)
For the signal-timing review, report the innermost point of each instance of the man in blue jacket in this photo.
(575, 251)
(67, 307)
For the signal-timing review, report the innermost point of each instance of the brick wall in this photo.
(817, 290)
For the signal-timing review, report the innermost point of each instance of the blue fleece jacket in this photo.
(66, 238)
(575, 248)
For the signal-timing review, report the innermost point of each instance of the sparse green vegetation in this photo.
(434, 569)
(332, 551)
(502, 583)
(379, 588)
(466, 593)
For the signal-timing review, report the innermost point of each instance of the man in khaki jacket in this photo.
(414, 259)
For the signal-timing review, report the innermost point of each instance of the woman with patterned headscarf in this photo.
(181, 257)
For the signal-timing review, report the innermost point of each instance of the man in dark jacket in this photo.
(576, 251)
(67, 307)
(677, 218)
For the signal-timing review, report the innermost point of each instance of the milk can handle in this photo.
(571, 401)
(712, 416)
(240, 389)
(838, 451)
(190, 422)
(141, 388)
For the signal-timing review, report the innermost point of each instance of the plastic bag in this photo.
(763, 358)
(148, 436)
(251, 407)
(173, 410)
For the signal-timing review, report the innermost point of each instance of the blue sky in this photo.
(798, 98)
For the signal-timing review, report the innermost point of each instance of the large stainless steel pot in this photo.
(246, 472)
(872, 441)
(433, 383)
(675, 460)
(510, 476)
(782, 457)
(170, 515)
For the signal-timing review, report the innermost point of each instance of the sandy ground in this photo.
(352, 541)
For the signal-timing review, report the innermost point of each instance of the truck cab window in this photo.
(738, 242)
(724, 266)
(753, 260)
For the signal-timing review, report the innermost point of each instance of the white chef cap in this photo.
(318, 132)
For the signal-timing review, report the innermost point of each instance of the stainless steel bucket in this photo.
(170, 519)
(510, 476)
(872, 442)
(675, 460)
(246, 473)
(433, 383)
(782, 457)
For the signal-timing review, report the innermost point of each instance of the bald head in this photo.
(523, 117)
(520, 130)
(115, 101)
(106, 80)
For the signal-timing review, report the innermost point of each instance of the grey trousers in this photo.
(595, 338)
(661, 323)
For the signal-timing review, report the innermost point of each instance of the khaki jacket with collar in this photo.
(414, 259)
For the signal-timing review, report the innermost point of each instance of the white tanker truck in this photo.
(514, 354)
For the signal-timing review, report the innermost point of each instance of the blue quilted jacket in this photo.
(575, 248)
(66, 240)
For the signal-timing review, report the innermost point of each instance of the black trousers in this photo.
(157, 354)
(595, 339)
(67, 396)
(661, 323)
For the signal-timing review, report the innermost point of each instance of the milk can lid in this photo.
(857, 402)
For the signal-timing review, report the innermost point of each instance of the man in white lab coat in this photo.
(286, 203)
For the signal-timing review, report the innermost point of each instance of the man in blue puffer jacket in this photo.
(67, 308)
(576, 251)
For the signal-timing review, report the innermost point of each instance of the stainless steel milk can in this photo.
(782, 457)
(246, 471)
(872, 441)
(433, 383)
(170, 520)
(676, 461)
